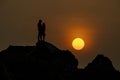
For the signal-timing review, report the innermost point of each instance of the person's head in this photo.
(40, 21)
(43, 24)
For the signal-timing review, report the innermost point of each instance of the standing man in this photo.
(41, 31)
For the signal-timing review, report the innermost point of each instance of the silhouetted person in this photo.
(41, 31)
(39, 26)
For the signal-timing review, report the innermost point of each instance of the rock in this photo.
(43, 61)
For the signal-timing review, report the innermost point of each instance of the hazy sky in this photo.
(96, 21)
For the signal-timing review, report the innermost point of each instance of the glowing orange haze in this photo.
(78, 28)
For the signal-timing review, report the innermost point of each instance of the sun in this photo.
(78, 43)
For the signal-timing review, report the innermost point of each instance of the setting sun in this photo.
(78, 44)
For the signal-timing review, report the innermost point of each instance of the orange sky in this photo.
(96, 21)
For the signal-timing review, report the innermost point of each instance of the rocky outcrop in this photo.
(44, 61)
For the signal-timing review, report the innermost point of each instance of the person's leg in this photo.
(38, 38)
(43, 38)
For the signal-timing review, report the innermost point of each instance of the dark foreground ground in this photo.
(46, 62)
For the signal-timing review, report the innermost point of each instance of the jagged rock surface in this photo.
(43, 61)
(46, 62)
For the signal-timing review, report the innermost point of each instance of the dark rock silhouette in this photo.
(43, 61)
(100, 68)
(101, 62)
(46, 62)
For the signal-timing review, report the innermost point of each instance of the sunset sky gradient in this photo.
(95, 21)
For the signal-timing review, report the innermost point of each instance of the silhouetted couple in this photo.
(41, 31)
